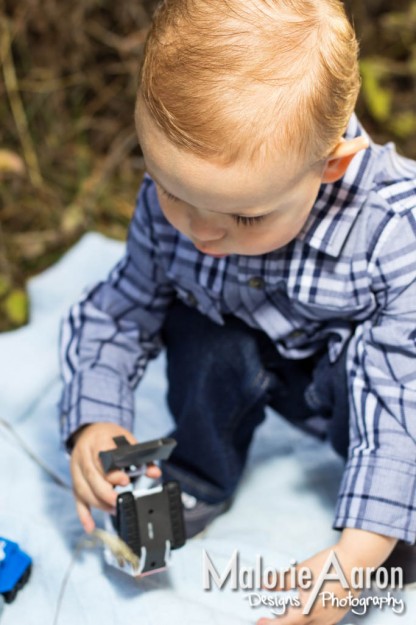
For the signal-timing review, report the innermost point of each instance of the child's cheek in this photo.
(173, 214)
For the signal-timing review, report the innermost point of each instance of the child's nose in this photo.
(205, 229)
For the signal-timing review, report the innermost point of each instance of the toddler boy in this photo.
(273, 254)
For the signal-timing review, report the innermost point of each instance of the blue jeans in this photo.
(221, 378)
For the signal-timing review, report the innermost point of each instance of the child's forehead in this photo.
(173, 167)
(179, 171)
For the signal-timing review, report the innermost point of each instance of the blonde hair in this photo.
(231, 79)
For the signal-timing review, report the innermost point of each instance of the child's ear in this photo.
(337, 162)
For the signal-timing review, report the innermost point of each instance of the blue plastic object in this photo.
(15, 567)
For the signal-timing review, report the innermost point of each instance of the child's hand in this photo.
(319, 614)
(356, 548)
(92, 487)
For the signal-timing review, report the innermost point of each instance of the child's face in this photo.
(232, 209)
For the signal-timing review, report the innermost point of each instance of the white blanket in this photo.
(283, 509)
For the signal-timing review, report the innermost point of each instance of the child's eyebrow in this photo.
(237, 214)
(161, 185)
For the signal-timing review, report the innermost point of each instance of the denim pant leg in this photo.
(328, 396)
(217, 395)
(220, 380)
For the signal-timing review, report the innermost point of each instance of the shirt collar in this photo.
(338, 204)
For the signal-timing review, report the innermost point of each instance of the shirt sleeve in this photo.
(378, 489)
(110, 334)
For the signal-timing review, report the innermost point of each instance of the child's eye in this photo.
(240, 219)
(247, 221)
(171, 197)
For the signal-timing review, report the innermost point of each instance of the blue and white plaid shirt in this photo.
(350, 275)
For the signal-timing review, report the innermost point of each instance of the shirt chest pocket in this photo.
(339, 308)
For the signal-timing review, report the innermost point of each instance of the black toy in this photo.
(149, 520)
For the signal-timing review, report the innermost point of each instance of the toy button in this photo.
(256, 282)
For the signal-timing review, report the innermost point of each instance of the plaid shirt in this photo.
(350, 275)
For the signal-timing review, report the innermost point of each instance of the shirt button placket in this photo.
(256, 282)
(191, 300)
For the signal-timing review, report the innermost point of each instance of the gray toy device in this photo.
(149, 520)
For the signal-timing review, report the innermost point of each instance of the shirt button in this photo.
(256, 282)
(191, 299)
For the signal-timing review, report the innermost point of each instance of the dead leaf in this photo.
(11, 163)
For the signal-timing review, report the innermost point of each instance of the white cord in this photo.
(29, 452)
(98, 536)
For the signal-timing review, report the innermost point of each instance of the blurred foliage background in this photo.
(69, 160)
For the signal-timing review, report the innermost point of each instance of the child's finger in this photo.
(103, 491)
(118, 478)
(85, 516)
(153, 471)
(92, 488)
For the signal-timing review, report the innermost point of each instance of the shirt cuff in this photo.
(92, 397)
(378, 494)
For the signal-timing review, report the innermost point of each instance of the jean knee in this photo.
(210, 364)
